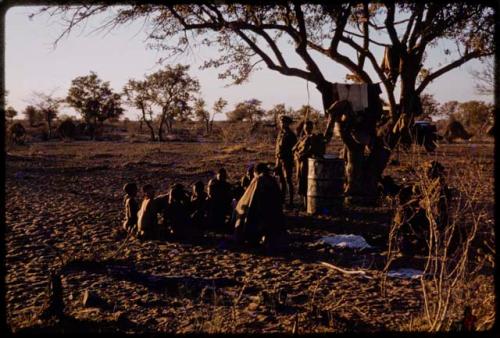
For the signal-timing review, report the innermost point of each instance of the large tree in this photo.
(217, 108)
(47, 106)
(138, 96)
(247, 35)
(166, 93)
(94, 99)
(249, 110)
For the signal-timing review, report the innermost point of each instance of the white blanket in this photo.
(346, 241)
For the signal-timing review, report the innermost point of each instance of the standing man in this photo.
(284, 158)
(310, 145)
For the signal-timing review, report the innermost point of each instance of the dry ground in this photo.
(64, 199)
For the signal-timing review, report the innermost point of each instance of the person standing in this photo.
(310, 145)
(284, 158)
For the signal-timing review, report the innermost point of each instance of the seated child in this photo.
(148, 215)
(177, 215)
(198, 205)
(131, 208)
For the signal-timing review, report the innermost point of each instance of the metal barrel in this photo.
(325, 185)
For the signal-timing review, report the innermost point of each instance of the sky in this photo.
(33, 64)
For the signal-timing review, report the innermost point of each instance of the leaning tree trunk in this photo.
(151, 130)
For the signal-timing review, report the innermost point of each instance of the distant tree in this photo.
(249, 110)
(201, 114)
(475, 115)
(138, 96)
(448, 109)
(94, 100)
(277, 110)
(10, 113)
(171, 89)
(48, 107)
(217, 108)
(167, 92)
(430, 106)
(306, 110)
(32, 115)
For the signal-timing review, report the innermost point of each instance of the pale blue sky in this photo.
(31, 64)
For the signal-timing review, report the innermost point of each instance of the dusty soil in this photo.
(64, 199)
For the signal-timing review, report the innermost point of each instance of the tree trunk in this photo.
(363, 171)
(160, 131)
(151, 130)
(50, 128)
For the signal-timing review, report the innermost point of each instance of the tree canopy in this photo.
(249, 110)
(94, 99)
(166, 94)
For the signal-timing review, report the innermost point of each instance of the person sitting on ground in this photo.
(177, 216)
(198, 206)
(148, 214)
(309, 146)
(131, 208)
(260, 212)
(219, 201)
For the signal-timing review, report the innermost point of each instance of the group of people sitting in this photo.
(249, 211)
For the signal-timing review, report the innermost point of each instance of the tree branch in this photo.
(285, 71)
(406, 35)
(343, 60)
(371, 40)
(389, 24)
(302, 44)
(457, 63)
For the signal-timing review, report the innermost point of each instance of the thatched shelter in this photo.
(456, 130)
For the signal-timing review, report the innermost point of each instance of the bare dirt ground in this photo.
(64, 199)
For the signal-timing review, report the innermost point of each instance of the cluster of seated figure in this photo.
(245, 211)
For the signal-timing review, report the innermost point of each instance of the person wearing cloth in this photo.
(259, 213)
(284, 158)
(219, 201)
(148, 214)
(177, 215)
(198, 206)
(310, 145)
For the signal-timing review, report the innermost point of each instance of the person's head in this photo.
(261, 168)
(177, 192)
(285, 121)
(250, 170)
(222, 175)
(130, 189)
(148, 191)
(308, 127)
(198, 188)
